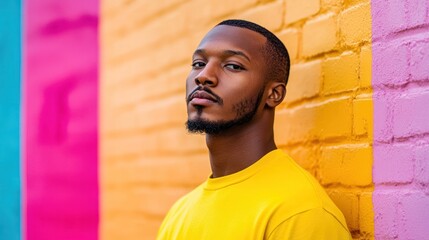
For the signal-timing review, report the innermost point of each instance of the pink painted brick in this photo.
(382, 117)
(410, 115)
(422, 165)
(415, 215)
(419, 61)
(394, 163)
(418, 13)
(385, 214)
(388, 17)
(394, 68)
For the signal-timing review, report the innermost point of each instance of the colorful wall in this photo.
(401, 120)
(92, 137)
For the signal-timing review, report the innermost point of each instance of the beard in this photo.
(245, 111)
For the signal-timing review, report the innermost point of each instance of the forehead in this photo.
(224, 37)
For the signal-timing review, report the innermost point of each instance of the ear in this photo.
(276, 94)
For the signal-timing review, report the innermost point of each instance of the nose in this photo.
(207, 76)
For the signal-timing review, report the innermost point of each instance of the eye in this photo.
(198, 64)
(234, 67)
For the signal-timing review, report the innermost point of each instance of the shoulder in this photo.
(298, 192)
(317, 223)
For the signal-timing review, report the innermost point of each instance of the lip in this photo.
(202, 98)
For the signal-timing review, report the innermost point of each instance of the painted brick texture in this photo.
(401, 121)
(325, 123)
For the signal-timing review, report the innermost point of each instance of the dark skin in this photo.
(230, 62)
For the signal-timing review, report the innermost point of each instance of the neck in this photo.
(240, 147)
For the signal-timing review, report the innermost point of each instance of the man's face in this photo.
(226, 84)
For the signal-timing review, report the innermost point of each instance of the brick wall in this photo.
(401, 119)
(147, 158)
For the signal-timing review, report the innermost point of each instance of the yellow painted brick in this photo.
(365, 67)
(363, 117)
(355, 24)
(334, 119)
(270, 15)
(354, 2)
(298, 9)
(366, 214)
(348, 203)
(290, 38)
(325, 120)
(319, 35)
(304, 81)
(341, 73)
(346, 164)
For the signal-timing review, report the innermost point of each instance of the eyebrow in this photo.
(226, 52)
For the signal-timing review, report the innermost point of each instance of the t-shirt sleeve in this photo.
(312, 224)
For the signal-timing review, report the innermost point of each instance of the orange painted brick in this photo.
(155, 201)
(331, 4)
(164, 84)
(179, 141)
(348, 203)
(124, 122)
(132, 226)
(355, 24)
(341, 73)
(362, 117)
(158, 170)
(365, 67)
(290, 38)
(304, 81)
(127, 144)
(346, 164)
(304, 156)
(286, 123)
(319, 35)
(210, 10)
(298, 9)
(366, 213)
(270, 15)
(281, 127)
(175, 106)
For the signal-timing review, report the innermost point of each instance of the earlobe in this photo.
(276, 94)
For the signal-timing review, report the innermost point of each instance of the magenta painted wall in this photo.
(401, 118)
(61, 119)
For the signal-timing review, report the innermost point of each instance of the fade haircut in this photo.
(275, 51)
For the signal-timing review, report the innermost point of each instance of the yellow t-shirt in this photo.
(272, 199)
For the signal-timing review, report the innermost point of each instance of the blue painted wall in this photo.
(10, 81)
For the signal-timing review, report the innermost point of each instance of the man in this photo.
(238, 77)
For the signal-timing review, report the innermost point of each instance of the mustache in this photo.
(206, 89)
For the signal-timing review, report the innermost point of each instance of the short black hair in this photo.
(276, 52)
